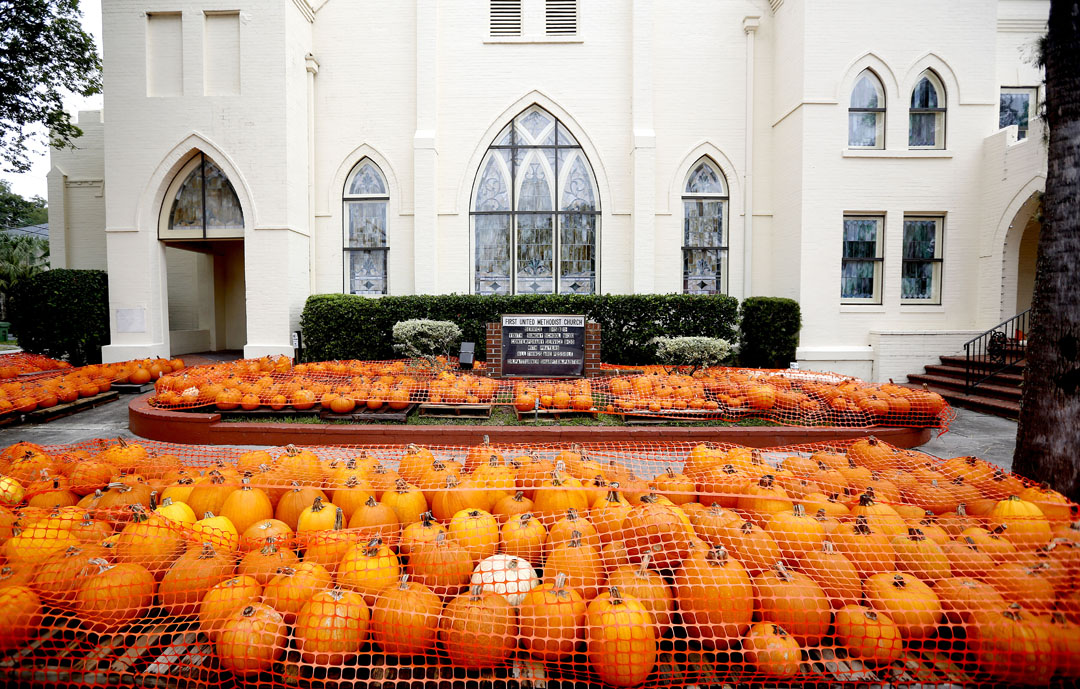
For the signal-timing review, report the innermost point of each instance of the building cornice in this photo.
(1021, 25)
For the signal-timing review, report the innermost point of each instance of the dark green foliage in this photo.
(16, 211)
(345, 326)
(769, 332)
(63, 314)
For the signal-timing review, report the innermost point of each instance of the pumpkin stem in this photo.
(207, 550)
(670, 472)
(643, 570)
(1013, 612)
(248, 611)
(440, 538)
(138, 513)
(519, 496)
(271, 546)
(615, 596)
(372, 548)
(401, 486)
(898, 581)
(153, 500)
(799, 511)
(560, 580)
(782, 571)
(352, 481)
(821, 515)
(916, 534)
(474, 514)
(575, 539)
(870, 615)
(828, 547)
(650, 498)
(766, 481)
(747, 527)
(317, 505)
(475, 592)
(524, 518)
(451, 481)
(370, 502)
(999, 529)
(208, 515)
(961, 510)
(571, 514)
(717, 556)
(339, 519)
(862, 526)
(778, 630)
(426, 518)
(867, 498)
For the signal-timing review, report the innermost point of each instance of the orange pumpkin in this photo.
(405, 618)
(251, 640)
(621, 638)
(552, 618)
(716, 598)
(478, 629)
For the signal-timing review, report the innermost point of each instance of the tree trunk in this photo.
(1048, 437)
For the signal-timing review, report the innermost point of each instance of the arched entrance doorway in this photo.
(202, 228)
(1020, 252)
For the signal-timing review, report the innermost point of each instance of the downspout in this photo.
(312, 70)
(750, 25)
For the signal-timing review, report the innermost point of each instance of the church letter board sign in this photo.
(543, 346)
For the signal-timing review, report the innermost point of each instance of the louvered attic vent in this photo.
(505, 17)
(561, 18)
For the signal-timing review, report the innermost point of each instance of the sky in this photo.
(34, 183)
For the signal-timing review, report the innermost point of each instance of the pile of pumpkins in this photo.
(19, 363)
(85, 381)
(482, 555)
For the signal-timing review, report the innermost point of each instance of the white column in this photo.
(58, 218)
(750, 25)
(425, 155)
(312, 70)
(643, 151)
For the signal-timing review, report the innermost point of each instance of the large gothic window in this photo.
(364, 217)
(705, 238)
(202, 204)
(535, 212)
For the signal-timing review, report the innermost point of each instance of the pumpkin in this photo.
(293, 586)
(319, 516)
(407, 501)
(560, 532)
(1066, 644)
(190, 576)
(763, 499)
(932, 530)
(223, 599)
(879, 516)
(873, 454)
(509, 576)
(414, 462)
(435, 477)
(917, 554)
(1028, 528)
(512, 505)
(621, 639)
(869, 550)
(676, 487)
(581, 563)
(557, 494)
(251, 640)
(771, 651)
(524, 537)
(609, 513)
(37, 543)
(405, 618)
(552, 618)
(649, 588)
(442, 565)
(294, 502)
(21, 611)
(211, 494)
(1054, 506)
(795, 532)
(967, 559)
(478, 629)
(175, 511)
(113, 595)
(659, 530)
(217, 530)
(423, 531)
(715, 597)
(994, 543)
(246, 506)
(794, 601)
(149, 543)
(910, 603)
(368, 569)
(331, 627)
(264, 563)
(16, 574)
(834, 573)
(120, 496)
(254, 537)
(57, 580)
(497, 477)
(750, 545)
(1011, 647)
(376, 520)
(1030, 586)
(868, 634)
(962, 597)
(709, 522)
(476, 531)
(722, 485)
(454, 497)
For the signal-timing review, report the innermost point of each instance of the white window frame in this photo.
(533, 23)
(939, 112)
(723, 198)
(193, 233)
(878, 259)
(1033, 105)
(879, 112)
(347, 251)
(938, 259)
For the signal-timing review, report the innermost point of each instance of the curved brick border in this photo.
(208, 429)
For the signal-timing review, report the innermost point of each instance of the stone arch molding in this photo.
(706, 149)
(1021, 197)
(930, 60)
(337, 185)
(870, 61)
(151, 201)
(465, 185)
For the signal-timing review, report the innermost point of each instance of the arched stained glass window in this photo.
(204, 204)
(866, 112)
(364, 217)
(705, 235)
(535, 211)
(926, 118)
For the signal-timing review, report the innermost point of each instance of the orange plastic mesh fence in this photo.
(649, 564)
(786, 397)
(49, 388)
(23, 363)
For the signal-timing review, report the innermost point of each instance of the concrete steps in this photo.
(998, 395)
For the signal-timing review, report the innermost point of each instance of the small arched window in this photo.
(364, 218)
(926, 119)
(866, 112)
(705, 234)
(203, 204)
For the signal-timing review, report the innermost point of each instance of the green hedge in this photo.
(769, 329)
(63, 314)
(345, 326)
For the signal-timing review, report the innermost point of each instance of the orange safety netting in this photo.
(648, 564)
(51, 388)
(786, 397)
(22, 363)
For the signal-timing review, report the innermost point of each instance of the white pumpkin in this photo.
(509, 576)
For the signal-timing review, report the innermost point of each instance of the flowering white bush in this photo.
(693, 352)
(421, 338)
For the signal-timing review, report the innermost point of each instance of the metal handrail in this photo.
(995, 350)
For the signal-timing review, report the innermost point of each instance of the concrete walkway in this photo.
(980, 435)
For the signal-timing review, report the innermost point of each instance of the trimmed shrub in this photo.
(63, 314)
(346, 326)
(769, 332)
(421, 338)
(691, 352)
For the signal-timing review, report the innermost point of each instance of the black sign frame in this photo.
(544, 331)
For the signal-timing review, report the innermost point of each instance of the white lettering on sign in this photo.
(536, 323)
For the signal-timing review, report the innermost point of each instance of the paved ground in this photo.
(980, 435)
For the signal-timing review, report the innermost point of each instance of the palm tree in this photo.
(1048, 437)
(21, 256)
